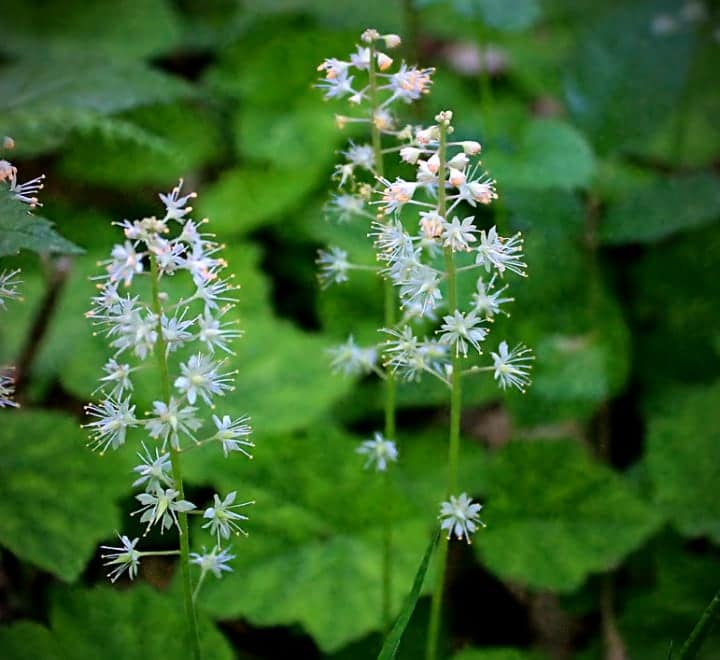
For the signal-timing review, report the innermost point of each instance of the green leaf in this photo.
(41, 102)
(165, 142)
(625, 79)
(683, 460)
(112, 624)
(57, 496)
(316, 560)
(245, 198)
(21, 230)
(511, 15)
(554, 517)
(498, 653)
(392, 641)
(665, 611)
(132, 29)
(664, 207)
(550, 154)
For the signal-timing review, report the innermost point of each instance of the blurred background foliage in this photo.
(599, 121)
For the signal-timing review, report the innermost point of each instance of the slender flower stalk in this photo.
(138, 329)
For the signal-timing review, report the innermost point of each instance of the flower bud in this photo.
(456, 177)
(470, 147)
(459, 161)
(392, 40)
(384, 62)
(410, 154)
(433, 163)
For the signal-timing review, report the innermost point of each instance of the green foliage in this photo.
(501, 14)
(624, 78)
(555, 517)
(320, 547)
(684, 448)
(105, 622)
(662, 208)
(58, 497)
(42, 103)
(549, 154)
(499, 653)
(22, 230)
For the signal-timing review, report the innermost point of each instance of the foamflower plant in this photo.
(185, 340)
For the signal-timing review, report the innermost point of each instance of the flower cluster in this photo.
(189, 337)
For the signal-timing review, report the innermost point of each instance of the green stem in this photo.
(390, 387)
(455, 410)
(161, 356)
(701, 630)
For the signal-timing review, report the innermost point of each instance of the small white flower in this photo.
(215, 561)
(215, 334)
(233, 433)
(124, 558)
(457, 235)
(170, 420)
(176, 207)
(460, 329)
(26, 192)
(175, 331)
(351, 359)
(200, 377)
(409, 83)
(7, 392)
(334, 266)
(221, 517)
(114, 418)
(379, 452)
(361, 155)
(422, 286)
(154, 471)
(489, 304)
(501, 253)
(125, 263)
(431, 223)
(396, 194)
(162, 507)
(118, 375)
(344, 207)
(460, 516)
(471, 147)
(361, 58)
(9, 286)
(410, 154)
(338, 86)
(511, 367)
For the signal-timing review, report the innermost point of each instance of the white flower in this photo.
(361, 155)
(233, 433)
(221, 517)
(170, 420)
(162, 507)
(481, 190)
(501, 253)
(408, 357)
(458, 235)
(25, 192)
(124, 558)
(338, 86)
(361, 58)
(410, 154)
(7, 392)
(216, 334)
(379, 452)
(409, 83)
(471, 147)
(334, 266)
(154, 471)
(200, 377)
(511, 367)
(460, 516)
(175, 332)
(344, 207)
(431, 223)
(391, 239)
(9, 286)
(114, 417)
(118, 375)
(125, 263)
(351, 359)
(486, 303)
(215, 561)
(333, 67)
(460, 329)
(396, 194)
(176, 207)
(422, 286)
